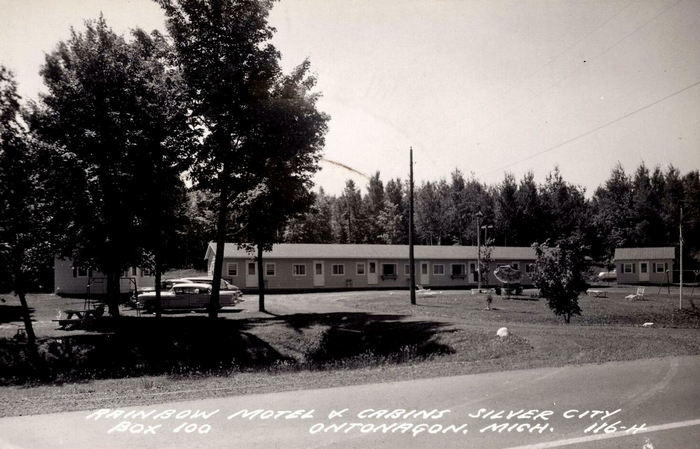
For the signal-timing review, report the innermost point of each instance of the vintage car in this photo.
(225, 285)
(186, 296)
(609, 276)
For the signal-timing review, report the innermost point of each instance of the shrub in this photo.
(559, 274)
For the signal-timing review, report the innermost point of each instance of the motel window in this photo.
(360, 268)
(458, 269)
(270, 269)
(515, 265)
(319, 268)
(338, 269)
(389, 269)
(133, 271)
(424, 268)
(251, 268)
(299, 269)
(643, 267)
(372, 267)
(438, 269)
(407, 269)
(627, 268)
(658, 267)
(232, 269)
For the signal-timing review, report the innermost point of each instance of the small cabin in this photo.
(644, 265)
(73, 279)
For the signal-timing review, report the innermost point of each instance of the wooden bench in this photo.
(597, 293)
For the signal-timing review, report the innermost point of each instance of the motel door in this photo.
(424, 274)
(372, 272)
(319, 276)
(251, 274)
(643, 271)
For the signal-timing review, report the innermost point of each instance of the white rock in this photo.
(648, 325)
(502, 332)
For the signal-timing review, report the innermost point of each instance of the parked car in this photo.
(186, 296)
(607, 276)
(225, 285)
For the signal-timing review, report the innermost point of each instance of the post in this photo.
(478, 249)
(680, 257)
(411, 258)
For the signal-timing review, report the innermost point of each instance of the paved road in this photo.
(660, 396)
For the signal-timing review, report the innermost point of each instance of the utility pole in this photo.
(680, 256)
(411, 258)
(478, 249)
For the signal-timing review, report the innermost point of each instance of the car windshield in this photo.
(224, 285)
(169, 283)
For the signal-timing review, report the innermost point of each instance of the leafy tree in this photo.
(161, 158)
(98, 113)
(559, 272)
(691, 220)
(21, 223)
(232, 75)
(564, 206)
(432, 212)
(529, 206)
(646, 209)
(350, 217)
(460, 218)
(612, 217)
(315, 225)
(197, 230)
(396, 203)
(389, 224)
(373, 208)
(289, 140)
(507, 210)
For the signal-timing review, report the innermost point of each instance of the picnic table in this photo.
(80, 316)
(597, 293)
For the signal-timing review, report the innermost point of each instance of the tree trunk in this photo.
(219, 256)
(157, 266)
(113, 292)
(261, 280)
(26, 314)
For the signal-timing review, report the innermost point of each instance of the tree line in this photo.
(638, 209)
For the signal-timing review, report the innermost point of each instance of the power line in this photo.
(590, 59)
(558, 55)
(597, 128)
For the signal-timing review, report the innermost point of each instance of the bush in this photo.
(559, 274)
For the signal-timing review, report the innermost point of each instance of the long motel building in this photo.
(318, 266)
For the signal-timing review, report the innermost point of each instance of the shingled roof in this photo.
(645, 253)
(366, 251)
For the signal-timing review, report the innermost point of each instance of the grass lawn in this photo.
(320, 340)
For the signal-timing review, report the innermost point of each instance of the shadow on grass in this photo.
(195, 345)
(9, 314)
(352, 339)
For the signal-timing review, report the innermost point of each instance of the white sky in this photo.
(483, 86)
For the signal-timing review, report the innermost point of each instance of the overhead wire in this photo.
(558, 82)
(597, 128)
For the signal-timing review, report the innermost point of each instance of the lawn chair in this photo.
(639, 296)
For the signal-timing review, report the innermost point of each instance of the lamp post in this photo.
(479, 216)
(486, 242)
(486, 233)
